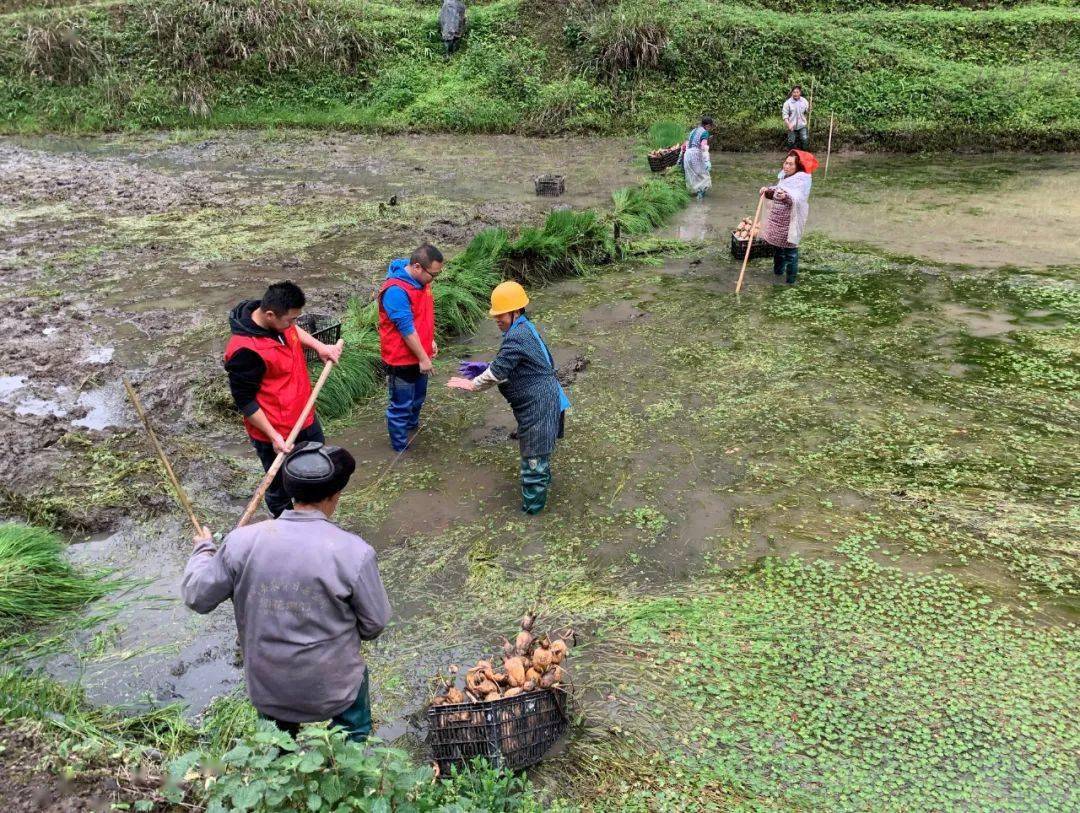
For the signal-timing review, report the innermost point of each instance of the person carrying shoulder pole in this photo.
(524, 371)
(268, 376)
(795, 112)
(305, 593)
(407, 338)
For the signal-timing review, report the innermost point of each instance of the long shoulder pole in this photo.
(170, 475)
(749, 244)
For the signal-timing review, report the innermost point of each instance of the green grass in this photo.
(37, 584)
(908, 76)
(666, 134)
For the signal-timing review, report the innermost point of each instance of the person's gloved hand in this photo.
(471, 369)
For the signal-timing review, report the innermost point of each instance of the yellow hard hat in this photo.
(507, 296)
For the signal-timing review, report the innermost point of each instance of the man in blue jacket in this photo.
(407, 338)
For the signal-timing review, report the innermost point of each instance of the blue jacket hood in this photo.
(397, 271)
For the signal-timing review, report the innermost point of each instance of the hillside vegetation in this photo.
(909, 74)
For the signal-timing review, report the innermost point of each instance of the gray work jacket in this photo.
(305, 594)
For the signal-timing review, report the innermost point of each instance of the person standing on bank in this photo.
(268, 376)
(795, 112)
(788, 212)
(407, 338)
(452, 24)
(305, 593)
(524, 371)
(697, 167)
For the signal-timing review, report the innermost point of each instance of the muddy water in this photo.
(971, 210)
(206, 221)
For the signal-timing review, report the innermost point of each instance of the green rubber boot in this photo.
(535, 479)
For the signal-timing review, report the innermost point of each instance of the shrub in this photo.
(323, 771)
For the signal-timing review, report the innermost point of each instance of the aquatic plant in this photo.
(271, 771)
(637, 209)
(359, 371)
(664, 134)
(37, 584)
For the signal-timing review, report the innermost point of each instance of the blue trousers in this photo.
(356, 719)
(403, 413)
(786, 261)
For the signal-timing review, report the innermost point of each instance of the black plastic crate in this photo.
(514, 732)
(324, 328)
(759, 249)
(550, 186)
(666, 158)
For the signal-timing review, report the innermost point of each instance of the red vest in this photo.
(285, 387)
(422, 303)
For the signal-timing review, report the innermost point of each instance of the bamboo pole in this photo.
(271, 473)
(749, 244)
(178, 489)
(828, 150)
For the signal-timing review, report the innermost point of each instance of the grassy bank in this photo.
(568, 243)
(906, 76)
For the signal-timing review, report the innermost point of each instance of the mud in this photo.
(123, 256)
(26, 786)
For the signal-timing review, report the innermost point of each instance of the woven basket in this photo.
(324, 328)
(759, 249)
(513, 732)
(664, 159)
(550, 186)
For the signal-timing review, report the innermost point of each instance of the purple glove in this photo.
(471, 369)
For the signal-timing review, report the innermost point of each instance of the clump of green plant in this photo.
(621, 44)
(60, 50)
(637, 209)
(37, 584)
(664, 134)
(358, 373)
(322, 770)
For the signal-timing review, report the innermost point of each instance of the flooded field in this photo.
(794, 482)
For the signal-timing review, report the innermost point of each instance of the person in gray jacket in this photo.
(452, 24)
(305, 594)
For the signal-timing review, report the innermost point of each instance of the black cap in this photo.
(313, 472)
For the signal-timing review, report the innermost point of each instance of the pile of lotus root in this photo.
(663, 151)
(742, 231)
(529, 663)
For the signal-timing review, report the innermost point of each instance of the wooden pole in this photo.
(749, 244)
(178, 489)
(828, 150)
(253, 506)
(810, 108)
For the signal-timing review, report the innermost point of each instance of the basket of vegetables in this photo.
(510, 715)
(660, 160)
(741, 237)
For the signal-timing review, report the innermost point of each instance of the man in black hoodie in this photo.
(268, 376)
